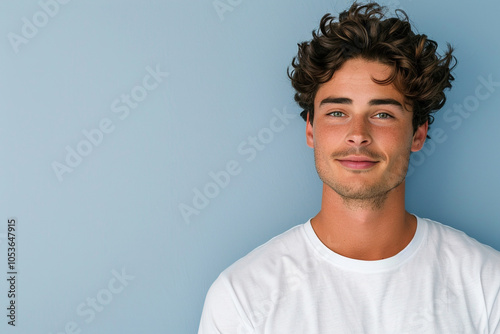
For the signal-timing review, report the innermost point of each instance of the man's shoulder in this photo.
(265, 257)
(258, 277)
(451, 243)
(451, 236)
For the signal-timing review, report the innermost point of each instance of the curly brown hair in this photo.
(418, 71)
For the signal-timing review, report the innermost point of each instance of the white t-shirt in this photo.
(442, 282)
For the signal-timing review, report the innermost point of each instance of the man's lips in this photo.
(357, 162)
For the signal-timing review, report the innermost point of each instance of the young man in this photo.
(363, 264)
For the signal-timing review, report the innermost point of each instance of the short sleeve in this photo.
(493, 296)
(494, 320)
(222, 314)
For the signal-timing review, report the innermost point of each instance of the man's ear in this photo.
(419, 137)
(309, 132)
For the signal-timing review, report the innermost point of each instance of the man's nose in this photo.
(359, 132)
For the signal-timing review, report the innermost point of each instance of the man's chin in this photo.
(350, 191)
(360, 190)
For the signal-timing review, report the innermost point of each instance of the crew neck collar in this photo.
(363, 265)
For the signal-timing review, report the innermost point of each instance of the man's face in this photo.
(362, 134)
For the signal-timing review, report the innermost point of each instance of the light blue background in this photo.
(119, 209)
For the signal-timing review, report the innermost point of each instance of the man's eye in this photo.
(336, 113)
(383, 115)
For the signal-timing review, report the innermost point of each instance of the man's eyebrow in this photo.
(337, 100)
(379, 102)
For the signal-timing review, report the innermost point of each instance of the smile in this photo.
(357, 162)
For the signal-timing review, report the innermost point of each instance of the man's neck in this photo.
(364, 231)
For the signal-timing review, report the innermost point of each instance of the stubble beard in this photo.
(368, 196)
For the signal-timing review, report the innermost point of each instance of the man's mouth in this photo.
(357, 162)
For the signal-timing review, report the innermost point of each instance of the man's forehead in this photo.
(360, 80)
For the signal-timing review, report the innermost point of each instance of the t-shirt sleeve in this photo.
(490, 282)
(222, 313)
(493, 302)
(495, 316)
